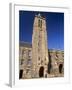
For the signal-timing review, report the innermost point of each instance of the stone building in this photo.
(39, 47)
(36, 60)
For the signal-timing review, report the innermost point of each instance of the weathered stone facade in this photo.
(55, 67)
(25, 60)
(39, 47)
(36, 60)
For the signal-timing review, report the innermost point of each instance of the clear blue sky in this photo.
(54, 24)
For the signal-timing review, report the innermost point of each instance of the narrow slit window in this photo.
(40, 23)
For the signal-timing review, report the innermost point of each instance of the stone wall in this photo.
(36, 60)
(55, 65)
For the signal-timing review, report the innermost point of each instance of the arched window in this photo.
(40, 23)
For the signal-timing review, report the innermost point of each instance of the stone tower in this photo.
(39, 48)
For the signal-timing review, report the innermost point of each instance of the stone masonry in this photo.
(36, 60)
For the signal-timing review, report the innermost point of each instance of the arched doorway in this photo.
(41, 71)
(20, 74)
(60, 68)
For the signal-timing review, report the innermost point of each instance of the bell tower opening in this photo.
(41, 71)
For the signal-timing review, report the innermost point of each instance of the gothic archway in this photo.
(41, 71)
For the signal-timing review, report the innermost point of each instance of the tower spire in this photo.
(39, 15)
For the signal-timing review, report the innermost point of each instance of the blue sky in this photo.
(54, 24)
